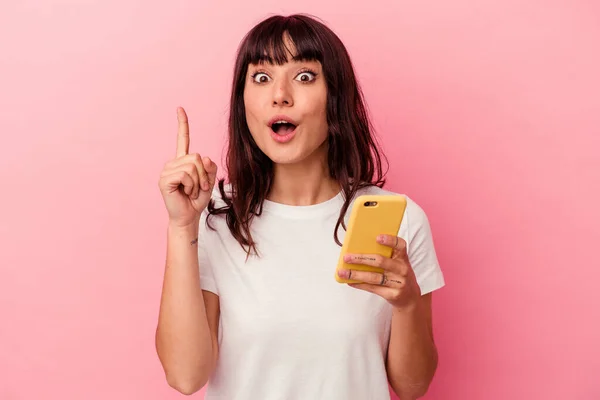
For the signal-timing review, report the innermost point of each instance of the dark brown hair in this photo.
(354, 157)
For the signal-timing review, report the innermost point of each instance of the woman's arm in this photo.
(186, 335)
(412, 356)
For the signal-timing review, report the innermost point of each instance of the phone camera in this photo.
(370, 203)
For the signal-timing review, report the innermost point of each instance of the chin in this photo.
(285, 157)
(296, 154)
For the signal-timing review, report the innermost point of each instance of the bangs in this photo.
(282, 39)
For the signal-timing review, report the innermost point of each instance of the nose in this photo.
(282, 95)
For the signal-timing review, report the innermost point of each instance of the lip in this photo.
(281, 118)
(282, 138)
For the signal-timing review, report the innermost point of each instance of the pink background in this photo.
(490, 115)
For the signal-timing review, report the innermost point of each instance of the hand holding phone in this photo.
(371, 216)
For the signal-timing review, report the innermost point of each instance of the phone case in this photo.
(365, 224)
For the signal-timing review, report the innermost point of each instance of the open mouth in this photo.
(283, 127)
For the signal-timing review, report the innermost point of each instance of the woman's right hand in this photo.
(187, 181)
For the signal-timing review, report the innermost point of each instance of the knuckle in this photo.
(201, 168)
(401, 244)
(190, 169)
(196, 157)
(374, 278)
(167, 169)
(377, 278)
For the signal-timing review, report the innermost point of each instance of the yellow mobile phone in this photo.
(371, 215)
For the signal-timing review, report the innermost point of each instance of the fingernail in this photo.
(343, 273)
(347, 258)
(380, 238)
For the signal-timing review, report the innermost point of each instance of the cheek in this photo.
(321, 106)
(256, 100)
(320, 115)
(250, 109)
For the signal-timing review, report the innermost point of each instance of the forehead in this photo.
(281, 53)
(289, 46)
(280, 49)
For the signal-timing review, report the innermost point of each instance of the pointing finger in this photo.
(183, 133)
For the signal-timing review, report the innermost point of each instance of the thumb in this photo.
(211, 169)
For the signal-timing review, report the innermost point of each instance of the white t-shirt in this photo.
(288, 330)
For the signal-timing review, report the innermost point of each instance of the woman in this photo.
(249, 301)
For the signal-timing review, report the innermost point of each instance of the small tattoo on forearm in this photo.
(193, 242)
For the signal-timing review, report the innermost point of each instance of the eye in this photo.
(260, 77)
(306, 76)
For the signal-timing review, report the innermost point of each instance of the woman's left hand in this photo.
(397, 284)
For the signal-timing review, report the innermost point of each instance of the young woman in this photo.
(249, 303)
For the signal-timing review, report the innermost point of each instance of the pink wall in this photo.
(490, 114)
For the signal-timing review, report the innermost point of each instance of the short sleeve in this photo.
(421, 249)
(207, 279)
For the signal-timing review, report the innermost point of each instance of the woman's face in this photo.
(296, 93)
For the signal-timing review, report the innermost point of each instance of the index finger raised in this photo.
(183, 133)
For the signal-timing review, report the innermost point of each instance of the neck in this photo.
(304, 183)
